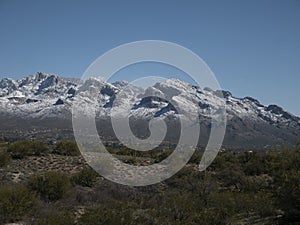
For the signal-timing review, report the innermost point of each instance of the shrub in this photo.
(108, 214)
(51, 186)
(252, 163)
(196, 157)
(15, 202)
(20, 149)
(289, 197)
(67, 148)
(55, 217)
(160, 156)
(86, 178)
(5, 158)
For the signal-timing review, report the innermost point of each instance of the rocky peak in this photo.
(49, 81)
(223, 94)
(275, 109)
(253, 100)
(120, 84)
(7, 86)
(8, 83)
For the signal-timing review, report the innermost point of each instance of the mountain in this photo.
(40, 106)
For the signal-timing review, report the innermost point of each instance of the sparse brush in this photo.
(51, 186)
(15, 202)
(23, 148)
(5, 158)
(86, 178)
(66, 148)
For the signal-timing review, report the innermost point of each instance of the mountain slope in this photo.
(40, 105)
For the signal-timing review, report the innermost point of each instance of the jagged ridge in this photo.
(44, 95)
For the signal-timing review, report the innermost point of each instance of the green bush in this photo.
(15, 202)
(212, 216)
(55, 217)
(20, 149)
(86, 178)
(160, 156)
(5, 158)
(289, 197)
(67, 148)
(51, 186)
(252, 163)
(196, 158)
(108, 214)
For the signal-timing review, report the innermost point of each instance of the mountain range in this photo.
(40, 106)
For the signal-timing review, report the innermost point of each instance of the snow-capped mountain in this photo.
(45, 100)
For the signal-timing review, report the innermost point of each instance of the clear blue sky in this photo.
(252, 46)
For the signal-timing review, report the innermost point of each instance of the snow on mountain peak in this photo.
(42, 92)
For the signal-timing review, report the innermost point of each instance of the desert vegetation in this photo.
(23, 148)
(67, 148)
(238, 188)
